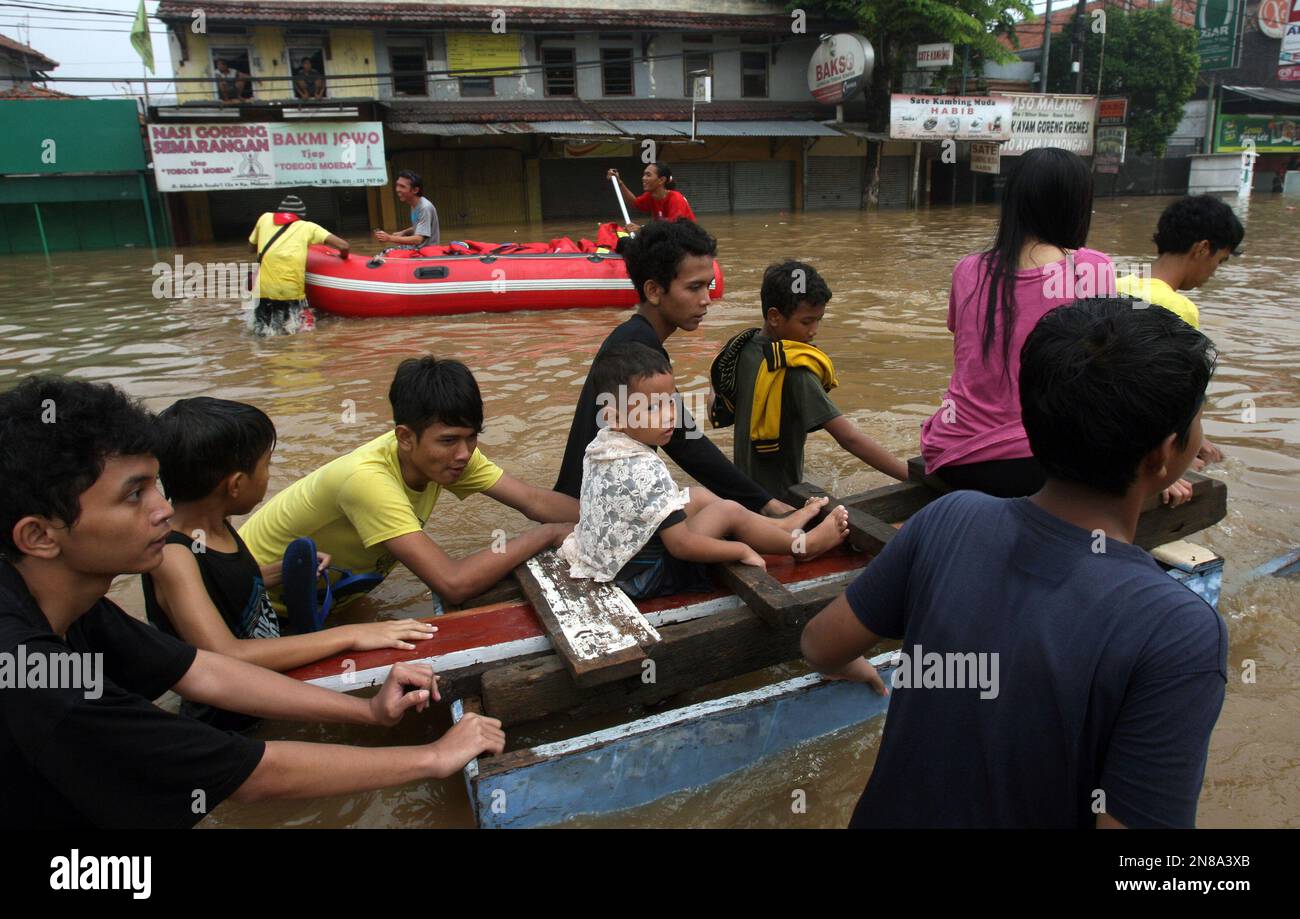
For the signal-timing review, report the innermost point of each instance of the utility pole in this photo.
(1080, 36)
(1046, 54)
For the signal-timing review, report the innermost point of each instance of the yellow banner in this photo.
(483, 53)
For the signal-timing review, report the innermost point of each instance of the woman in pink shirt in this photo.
(658, 197)
(1037, 263)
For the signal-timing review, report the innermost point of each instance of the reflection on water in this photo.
(92, 315)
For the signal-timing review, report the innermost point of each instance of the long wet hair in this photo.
(665, 173)
(1048, 197)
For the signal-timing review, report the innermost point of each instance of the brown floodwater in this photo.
(92, 315)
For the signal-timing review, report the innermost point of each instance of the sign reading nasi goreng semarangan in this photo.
(216, 157)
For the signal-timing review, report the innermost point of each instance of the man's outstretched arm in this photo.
(540, 504)
(456, 580)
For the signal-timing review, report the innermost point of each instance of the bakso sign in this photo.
(986, 118)
(840, 66)
(1049, 120)
(276, 154)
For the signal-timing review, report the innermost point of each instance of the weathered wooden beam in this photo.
(765, 595)
(891, 503)
(1160, 523)
(867, 533)
(596, 629)
(690, 654)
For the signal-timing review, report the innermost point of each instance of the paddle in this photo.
(622, 205)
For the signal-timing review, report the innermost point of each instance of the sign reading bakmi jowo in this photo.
(215, 157)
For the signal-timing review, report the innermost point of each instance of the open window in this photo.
(409, 68)
(560, 74)
(753, 74)
(616, 71)
(693, 61)
(308, 67)
(231, 73)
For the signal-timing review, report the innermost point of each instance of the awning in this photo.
(1264, 94)
(599, 130)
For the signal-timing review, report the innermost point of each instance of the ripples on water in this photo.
(92, 315)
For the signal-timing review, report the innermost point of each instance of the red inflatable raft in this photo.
(410, 283)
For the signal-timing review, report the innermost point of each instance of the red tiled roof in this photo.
(30, 91)
(576, 18)
(11, 48)
(1031, 33)
(621, 110)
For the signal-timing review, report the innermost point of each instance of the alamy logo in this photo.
(21, 669)
(103, 872)
(923, 669)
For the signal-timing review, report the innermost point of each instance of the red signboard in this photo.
(1112, 111)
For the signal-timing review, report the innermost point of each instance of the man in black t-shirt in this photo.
(1054, 675)
(81, 744)
(671, 266)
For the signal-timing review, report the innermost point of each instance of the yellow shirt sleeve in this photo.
(317, 233)
(480, 474)
(377, 507)
(257, 228)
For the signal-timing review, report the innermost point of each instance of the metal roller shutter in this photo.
(834, 182)
(578, 187)
(235, 212)
(763, 185)
(895, 174)
(707, 186)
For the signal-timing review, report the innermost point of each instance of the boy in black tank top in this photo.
(209, 591)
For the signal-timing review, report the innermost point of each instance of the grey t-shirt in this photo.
(425, 220)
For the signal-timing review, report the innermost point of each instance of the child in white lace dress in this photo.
(637, 527)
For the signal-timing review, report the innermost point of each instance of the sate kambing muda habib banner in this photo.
(217, 157)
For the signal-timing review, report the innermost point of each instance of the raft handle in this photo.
(432, 271)
(488, 259)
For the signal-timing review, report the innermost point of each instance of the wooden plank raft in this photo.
(596, 628)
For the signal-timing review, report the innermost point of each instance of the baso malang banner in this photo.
(219, 157)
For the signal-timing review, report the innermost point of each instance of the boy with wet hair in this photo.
(637, 527)
(85, 746)
(214, 459)
(1107, 674)
(368, 509)
(1195, 235)
(671, 266)
(773, 384)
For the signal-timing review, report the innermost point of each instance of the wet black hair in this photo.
(203, 440)
(1103, 382)
(413, 178)
(622, 365)
(56, 434)
(656, 253)
(1189, 220)
(1048, 197)
(665, 172)
(427, 390)
(779, 288)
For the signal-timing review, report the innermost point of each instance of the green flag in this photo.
(141, 40)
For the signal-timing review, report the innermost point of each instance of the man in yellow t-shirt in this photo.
(1195, 235)
(282, 238)
(368, 509)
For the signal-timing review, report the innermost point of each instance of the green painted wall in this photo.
(51, 136)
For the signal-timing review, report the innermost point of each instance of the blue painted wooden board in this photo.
(636, 763)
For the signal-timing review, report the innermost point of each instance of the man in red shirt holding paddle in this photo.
(658, 197)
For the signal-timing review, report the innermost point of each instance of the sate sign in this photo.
(936, 55)
(1049, 120)
(985, 158)
(986, 118)
(215, 157)
(840, 66)
(1113, 110)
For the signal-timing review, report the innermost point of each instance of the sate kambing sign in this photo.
(982, 118)
(217, 157)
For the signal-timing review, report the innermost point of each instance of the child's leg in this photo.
(701, 498)
(727, 518)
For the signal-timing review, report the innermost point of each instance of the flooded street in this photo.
(92, 315)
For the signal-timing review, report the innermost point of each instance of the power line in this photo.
(60, 8)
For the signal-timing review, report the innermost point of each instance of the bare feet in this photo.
(804, 515)
(825, 536)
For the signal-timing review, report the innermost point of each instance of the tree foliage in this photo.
(1148, 57)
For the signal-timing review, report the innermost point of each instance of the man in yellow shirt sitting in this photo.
(1194, 237)
(368, 509)
(281, 239)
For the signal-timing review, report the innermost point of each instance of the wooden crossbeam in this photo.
(596, 629)
(691, 654)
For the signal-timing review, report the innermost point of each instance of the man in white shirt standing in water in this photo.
(424, 218)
